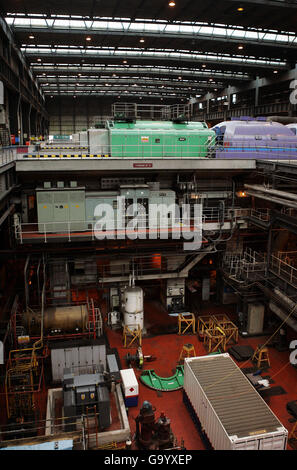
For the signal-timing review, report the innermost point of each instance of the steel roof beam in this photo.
(146, 91)
(118, 94)
(269, 3)
(191, 73)
(241, 61)
(129, 82)
(179, 35)
(146, 21)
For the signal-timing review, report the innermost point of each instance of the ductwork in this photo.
(275, 192)
(282, 202)
(281, 305)
(283, 316)
(282, 119)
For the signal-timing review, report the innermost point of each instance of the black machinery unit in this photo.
(84, 394)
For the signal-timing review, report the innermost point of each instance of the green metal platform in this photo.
(164, 384)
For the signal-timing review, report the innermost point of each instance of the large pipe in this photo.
(276, 299)
(282, 119)
(275, 192)
(8, 212)
(59, 318)
(283, 316)
(282, 202)
(285, 298)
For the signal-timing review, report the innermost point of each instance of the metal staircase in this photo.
(95, 320)
(91, 427)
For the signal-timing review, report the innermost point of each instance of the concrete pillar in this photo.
(229, 97)
(13, 113)
(20, 120)
(38, 124)
(257, 91)
(24, 200)
(207, 103)
(33, 130)
(292, 110)
(25, 108)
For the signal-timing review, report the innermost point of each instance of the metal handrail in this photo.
(268, 149)
(146, 223)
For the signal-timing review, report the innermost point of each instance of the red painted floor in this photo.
(167, 348)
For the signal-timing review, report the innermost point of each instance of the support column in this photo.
(13, 113)
(292, 111)
(25, 108)
(20, 120)
(207, 103)
(33, 129)
(229, 97)
(269, 246)
(257, 91)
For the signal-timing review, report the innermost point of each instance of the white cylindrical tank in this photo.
(133, 307)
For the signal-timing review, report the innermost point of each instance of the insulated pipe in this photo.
(283, 316)
(275, 192)
(282, 119)
(282, 202)
(285, 298)
(276, 298)
(8, 212)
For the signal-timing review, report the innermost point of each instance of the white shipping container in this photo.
(230, 410)
(129, 386)
(129, 381)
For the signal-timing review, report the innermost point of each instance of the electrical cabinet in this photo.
(61, 210)
(175, 295)
(255, 318)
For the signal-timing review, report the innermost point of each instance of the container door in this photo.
(273, 443)
(61, 211)
(75, 357)
(45, 211)
(77, 210)
(252, 444)
(95, 355)
(85, 357)
(68, 358)
(58, 364)
(90, 205)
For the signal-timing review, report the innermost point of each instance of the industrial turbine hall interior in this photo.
(148, 224)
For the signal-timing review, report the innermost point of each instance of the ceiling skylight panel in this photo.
(284, 38)
(76, 24)
(37, 22)
(186, 29)
(252, 34)
(111, 24)
(125, 26)
(151, 27)
(22, 21)
(137, 27)
(219, 32)
(270, 37)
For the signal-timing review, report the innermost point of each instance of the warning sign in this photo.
(145, 138)
(142, 165)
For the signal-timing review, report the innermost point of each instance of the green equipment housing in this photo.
(175, 139)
